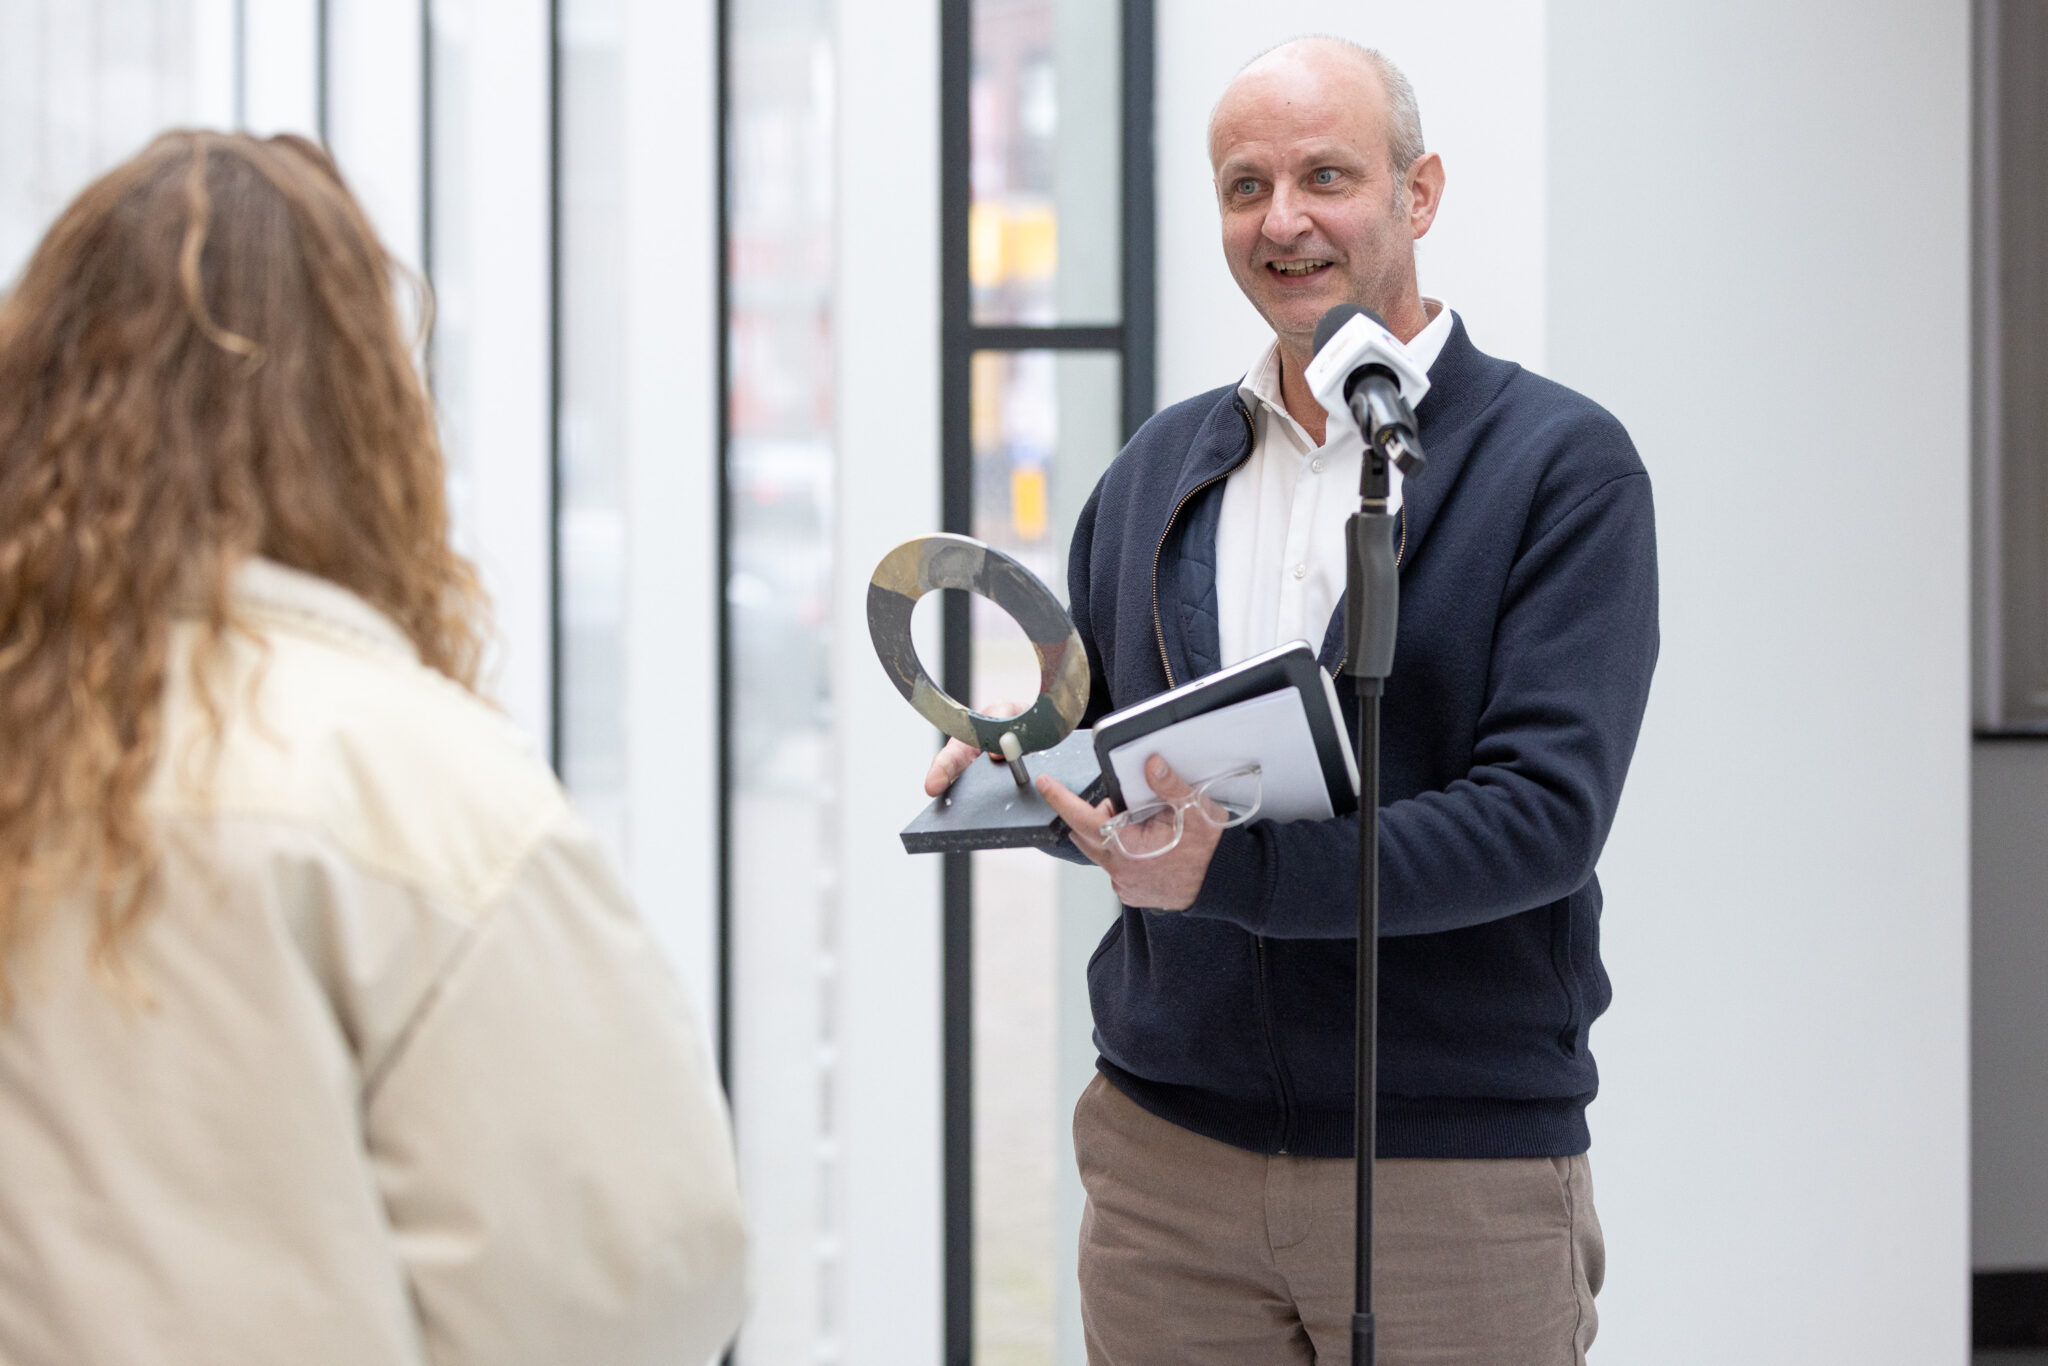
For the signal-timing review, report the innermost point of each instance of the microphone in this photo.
(1361, 371)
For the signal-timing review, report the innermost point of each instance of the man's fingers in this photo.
(958, 755)
(1166, 784)
(1080, 817)
(952, 761)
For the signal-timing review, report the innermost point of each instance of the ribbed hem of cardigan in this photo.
(1408, 1126)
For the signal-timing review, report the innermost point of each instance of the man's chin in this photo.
(1295, 316)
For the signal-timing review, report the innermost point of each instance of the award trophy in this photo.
(992, 805)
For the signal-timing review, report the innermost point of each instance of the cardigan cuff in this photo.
(1239, 884)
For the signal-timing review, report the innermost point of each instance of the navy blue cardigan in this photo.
(1527, 638)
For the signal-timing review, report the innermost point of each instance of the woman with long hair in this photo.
(326, 1034)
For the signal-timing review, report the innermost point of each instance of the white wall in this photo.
(671, 459)
(281, 67)
(1478, 73)
(1747, 200)
(373, 115)
(886, 331)
(2009, 1034)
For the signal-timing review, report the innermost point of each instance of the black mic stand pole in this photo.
(1372, 598)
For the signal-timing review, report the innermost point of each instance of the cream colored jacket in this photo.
(411, 1082)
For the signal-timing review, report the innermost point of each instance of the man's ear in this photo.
(1423, 188)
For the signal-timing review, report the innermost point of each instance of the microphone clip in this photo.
(1385, 419)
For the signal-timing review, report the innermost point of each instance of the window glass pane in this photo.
(375, 114)
(1044, 429)
(448, 239)
(592, 511)
(83, 85)
(1045, 114)
(781, 469)
(488, 205)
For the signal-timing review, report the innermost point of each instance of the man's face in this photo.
(1313, 215)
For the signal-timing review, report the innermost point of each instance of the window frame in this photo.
(1133, 339)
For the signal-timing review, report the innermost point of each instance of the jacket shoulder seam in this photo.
(482, 921)
(1588, 496)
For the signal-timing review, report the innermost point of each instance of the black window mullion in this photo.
(1140, 221)
(241, 63)
(956, 513)
(1025, 338)
(557, 694)
(322, 61)
(722, 484)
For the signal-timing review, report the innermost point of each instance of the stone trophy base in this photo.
(986, 809)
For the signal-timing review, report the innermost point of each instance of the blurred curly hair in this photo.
(202, 362)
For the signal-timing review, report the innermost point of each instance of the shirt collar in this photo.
(1428, 344)
(266, 593)
(1260, 386)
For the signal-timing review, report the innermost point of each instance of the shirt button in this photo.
(1301, 571)
(1316, 468)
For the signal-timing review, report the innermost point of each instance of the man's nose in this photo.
(1286, 216)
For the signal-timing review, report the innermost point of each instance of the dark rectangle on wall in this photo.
(722, 473)
(2012, 357)
(2009, 1309)
(557, 694)
(2023, 310)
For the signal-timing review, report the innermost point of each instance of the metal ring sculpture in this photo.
(929, 563)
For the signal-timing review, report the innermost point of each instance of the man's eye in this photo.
(1247, 186)
(1326, 176)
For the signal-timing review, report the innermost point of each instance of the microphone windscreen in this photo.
(1334, 320)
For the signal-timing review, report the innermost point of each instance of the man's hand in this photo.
(1169, 882)
(954, 759)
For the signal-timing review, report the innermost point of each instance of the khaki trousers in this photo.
(1195, 1252)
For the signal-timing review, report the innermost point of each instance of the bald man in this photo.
(1214, 1144)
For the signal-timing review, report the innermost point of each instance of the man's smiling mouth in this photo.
(1296, 268)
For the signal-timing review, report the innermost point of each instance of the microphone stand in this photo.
(1372, 604)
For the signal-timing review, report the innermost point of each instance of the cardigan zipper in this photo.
(1159, 634)
(1258, 941)
(1273, 1048)
(1158, 626)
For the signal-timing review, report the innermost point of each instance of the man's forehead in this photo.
(1308, 99)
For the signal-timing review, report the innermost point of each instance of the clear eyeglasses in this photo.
(1152, 829)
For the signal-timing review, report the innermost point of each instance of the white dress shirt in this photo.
(1280, 565)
